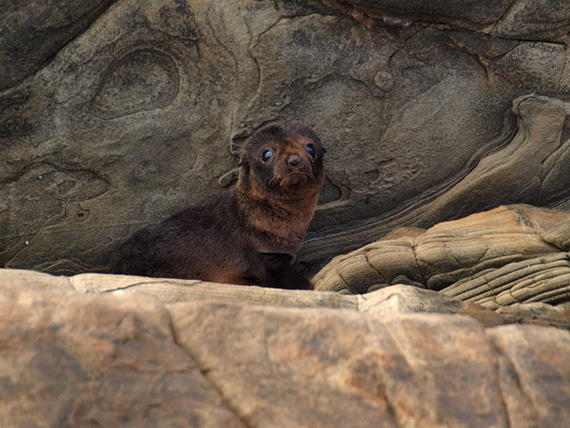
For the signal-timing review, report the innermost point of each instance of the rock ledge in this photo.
(74, 359)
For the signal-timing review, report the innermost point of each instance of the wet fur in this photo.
(246, 235)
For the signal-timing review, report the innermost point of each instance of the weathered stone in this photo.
(559, 236)
(542, 279)
(116, 115)
(528, 401)
(522, 20)
(385, 301)
(360, 357)
(112, 117)
(536, 313)
(454, 250)
(535, 147)
(390, 261)
(500, 257)
(72, 359)
(31, 33)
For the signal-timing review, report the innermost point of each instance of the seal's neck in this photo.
(280, 223)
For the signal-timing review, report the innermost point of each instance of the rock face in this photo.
(117, 114)
(74, 361)
(512, 254)
(71, 359)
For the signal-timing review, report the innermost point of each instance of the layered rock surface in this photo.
(117, 114)
(71, 359)
(512, 254)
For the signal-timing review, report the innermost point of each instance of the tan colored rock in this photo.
(76, 360)
(384, 262)
(389, 301)
(541, 279)
(384, 301)
(530, 400)
(369, 368)
(450, 251)
(500, 257)
(536, 313)
(73, 359)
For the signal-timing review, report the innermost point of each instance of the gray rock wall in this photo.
(117, 114)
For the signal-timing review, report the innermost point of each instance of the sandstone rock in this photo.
(360, 360)
(538, 279)
(495, 258)
(522, 20)
(397, 299)
(505, 173)
(539, 404)
(74, 359)
(536, 313)
(386, 301)
(117, 114)
(412, 100)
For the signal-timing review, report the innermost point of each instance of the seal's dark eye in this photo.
(267, 155)
(310, 149)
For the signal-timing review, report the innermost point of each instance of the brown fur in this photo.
(246, 235)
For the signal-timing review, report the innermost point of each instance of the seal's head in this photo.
(285, 160)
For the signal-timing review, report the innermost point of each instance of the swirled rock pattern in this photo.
(512, 254)
(399, 357)
(117, 114)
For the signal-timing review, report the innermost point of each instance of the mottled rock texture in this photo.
(395, 357)
(117, 114)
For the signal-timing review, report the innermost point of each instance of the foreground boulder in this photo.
(73, 359)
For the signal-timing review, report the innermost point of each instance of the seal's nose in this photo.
(294, 160)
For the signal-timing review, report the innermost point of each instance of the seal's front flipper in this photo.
(278, 272)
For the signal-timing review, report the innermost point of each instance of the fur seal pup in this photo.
(246, 235)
